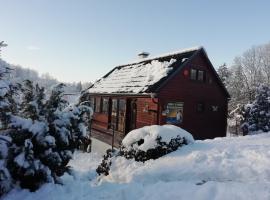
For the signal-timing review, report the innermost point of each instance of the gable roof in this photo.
(142, 76)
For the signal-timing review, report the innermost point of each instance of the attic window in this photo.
(197, 75)
(200, 75)
(193, 74)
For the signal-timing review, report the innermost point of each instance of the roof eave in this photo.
(121, 94)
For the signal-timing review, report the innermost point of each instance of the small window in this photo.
(105, 105)
(193, 74)
(200, 107)
(92, 102)
(97, 105)
(200, 75)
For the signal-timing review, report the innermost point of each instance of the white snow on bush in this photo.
(220, 169)
(28, 124)
(4, 140)
(4, 87)
(149, 135)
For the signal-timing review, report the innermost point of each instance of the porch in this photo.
(106, 136)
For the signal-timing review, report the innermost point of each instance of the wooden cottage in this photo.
(180, 88)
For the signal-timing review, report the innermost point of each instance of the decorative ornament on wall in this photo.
(214, 108)
(186, 72)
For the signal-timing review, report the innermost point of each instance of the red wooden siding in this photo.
(146, 117)
(207, 124)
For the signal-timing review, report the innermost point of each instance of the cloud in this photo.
(32, 48)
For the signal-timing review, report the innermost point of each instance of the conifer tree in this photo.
(257, 114)
(42, 137)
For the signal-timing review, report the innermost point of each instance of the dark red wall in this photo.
(207, 124)
(145, 117)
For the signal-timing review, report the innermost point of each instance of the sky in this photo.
(81, 40)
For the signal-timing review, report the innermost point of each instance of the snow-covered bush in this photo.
(257, 114)
(149, 142)
(40, 137)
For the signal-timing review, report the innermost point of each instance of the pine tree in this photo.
(257, 114)
(29, 105)
(7, 106)
(37, 136)
(43, 135)
(224, 73)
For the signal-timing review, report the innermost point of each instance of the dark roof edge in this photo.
(216, 74)
(122, 94)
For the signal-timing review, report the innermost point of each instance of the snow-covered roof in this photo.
(140, 76)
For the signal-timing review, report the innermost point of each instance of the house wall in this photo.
(207, 124)
(147, 110)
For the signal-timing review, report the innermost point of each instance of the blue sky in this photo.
(81, 40)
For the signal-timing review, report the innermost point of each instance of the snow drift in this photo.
(219, 169)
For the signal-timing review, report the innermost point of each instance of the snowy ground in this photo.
(99, 147)
(223, 168)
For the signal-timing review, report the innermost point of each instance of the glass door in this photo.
(121, 115)
(114, 114)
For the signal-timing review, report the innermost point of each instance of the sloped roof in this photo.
(141, 76)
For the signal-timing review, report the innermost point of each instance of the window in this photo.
(97, 105)
(193, 74)
(114, 114)
(92, 102)
(200, 107)
(200, 75)
(105, 105)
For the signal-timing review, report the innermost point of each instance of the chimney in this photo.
(143, 55)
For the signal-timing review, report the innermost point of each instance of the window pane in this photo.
(92, 102)
(121, 115)
(193, 74)
(105, 103)
(97, 106)
(200, 75)
(114, 114)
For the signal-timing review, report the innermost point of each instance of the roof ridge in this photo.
(181, 51)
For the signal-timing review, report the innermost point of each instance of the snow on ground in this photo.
(99, 147)
(223, 168)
